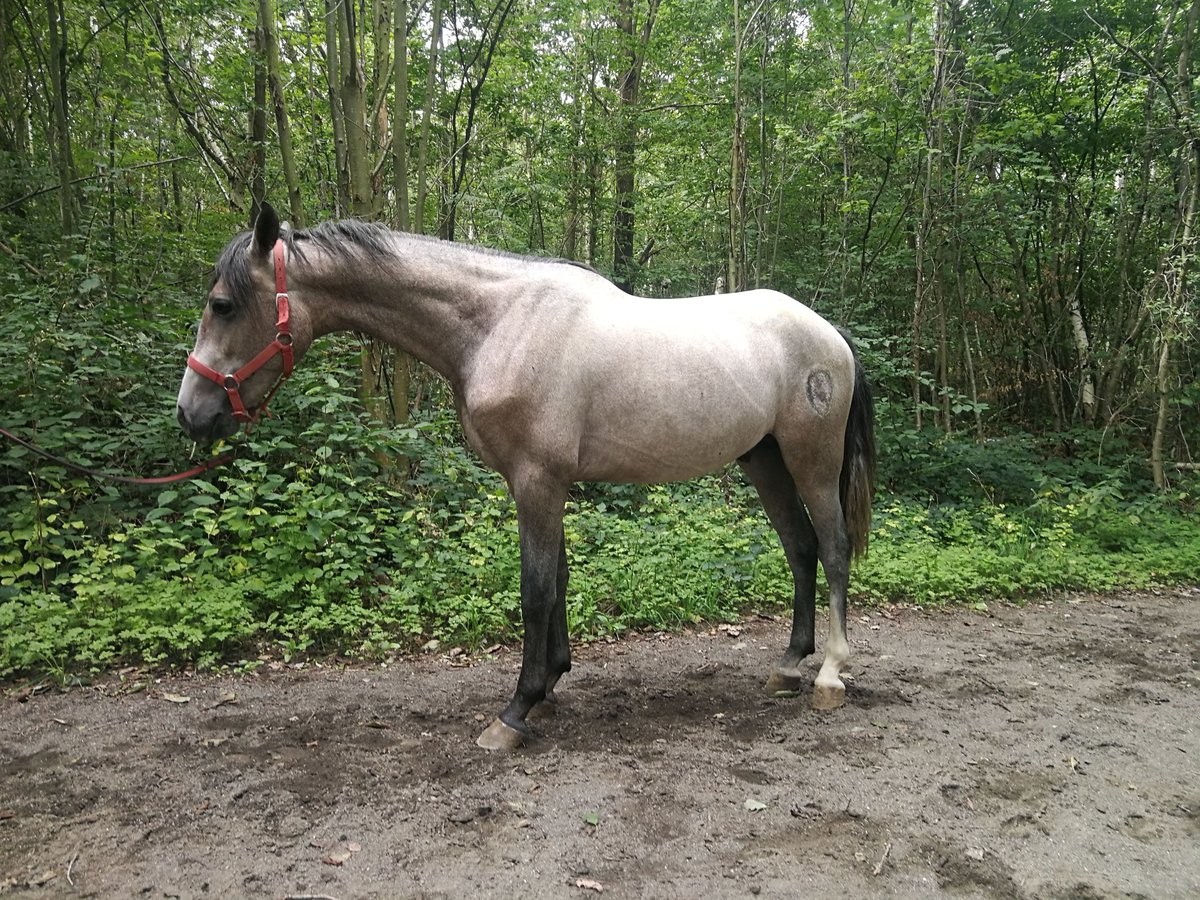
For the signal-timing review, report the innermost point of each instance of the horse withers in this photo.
(560, 377)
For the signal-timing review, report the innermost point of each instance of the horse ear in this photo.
(266, 230)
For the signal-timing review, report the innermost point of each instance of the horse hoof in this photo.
(781, 681)
(828, 696)
(501, 736)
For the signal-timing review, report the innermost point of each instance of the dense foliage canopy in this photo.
(999, 199)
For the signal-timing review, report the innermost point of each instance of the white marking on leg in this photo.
(837, 652)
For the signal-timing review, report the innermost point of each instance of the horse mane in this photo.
(368, 241)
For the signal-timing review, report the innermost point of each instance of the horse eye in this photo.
(222, 308)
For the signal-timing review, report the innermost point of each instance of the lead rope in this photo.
(205, 466)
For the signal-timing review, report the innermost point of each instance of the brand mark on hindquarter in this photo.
(819, 389)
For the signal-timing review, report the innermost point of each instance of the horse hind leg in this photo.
(833, 544)
(816, 474)
(776, 488)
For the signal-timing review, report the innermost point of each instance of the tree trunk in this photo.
(258, 124)
(400, 119)
(333, 66)
(14, 123)
(402, 363)
(435, 41)
(351, 91)
(1183, 252)
(279, 102)
(59, 115)
(736, 262)
(846, 53)
(634, 48)
(925, 241)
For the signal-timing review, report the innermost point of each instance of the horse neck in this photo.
(434, 300)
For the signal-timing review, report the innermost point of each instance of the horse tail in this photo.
(857, 481)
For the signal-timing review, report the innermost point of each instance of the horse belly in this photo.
(673, 425)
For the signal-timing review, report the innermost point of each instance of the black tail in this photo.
(857, 483)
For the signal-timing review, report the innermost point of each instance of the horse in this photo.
(560, 377)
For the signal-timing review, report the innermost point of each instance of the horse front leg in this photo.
(558, 640)
(540, 504)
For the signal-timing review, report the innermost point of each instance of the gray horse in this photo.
(560, 377)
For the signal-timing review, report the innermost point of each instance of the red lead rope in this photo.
(124, 479)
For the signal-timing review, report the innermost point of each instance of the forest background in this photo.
(999, 199)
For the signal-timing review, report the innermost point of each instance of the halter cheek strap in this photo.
(281, 345)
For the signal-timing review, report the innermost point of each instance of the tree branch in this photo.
(93, 177)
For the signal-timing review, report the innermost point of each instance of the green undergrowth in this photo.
(307, 558)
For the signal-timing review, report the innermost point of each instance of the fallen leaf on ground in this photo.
(176, 698)
(342, 854)
(588, 885)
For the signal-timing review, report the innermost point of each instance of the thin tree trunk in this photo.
(402, 363)
(282, 123)
(14, 125)
(625, 155)
(926, 280)
(333, 68)
(258, 125)
(736, 263)
(59, 115)
(435, 41)
(1184, 250)
(400, 119)
(846, 50)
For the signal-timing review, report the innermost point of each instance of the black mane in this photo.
(367, 241)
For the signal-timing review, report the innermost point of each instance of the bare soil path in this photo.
(1044, 751)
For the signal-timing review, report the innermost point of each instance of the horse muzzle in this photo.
(206, 425)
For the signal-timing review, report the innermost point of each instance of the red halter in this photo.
(282, 345)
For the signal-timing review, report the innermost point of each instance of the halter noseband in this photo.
(282, 345)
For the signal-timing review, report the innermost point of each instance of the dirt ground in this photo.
(1044, 751)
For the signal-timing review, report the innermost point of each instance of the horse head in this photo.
(250, 335)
